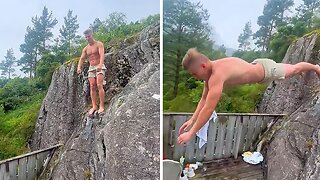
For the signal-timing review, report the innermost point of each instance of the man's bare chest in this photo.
(92, 50)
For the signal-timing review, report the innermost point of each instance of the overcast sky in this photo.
(16, 15)
(228, 17)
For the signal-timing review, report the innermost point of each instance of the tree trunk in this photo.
(70, 49)
(35, 66)
(176, 78)
(269, 36)
(178, 64)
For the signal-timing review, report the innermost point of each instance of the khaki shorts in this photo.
(272, 70)
(92, 72)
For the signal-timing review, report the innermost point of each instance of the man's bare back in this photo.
(235, 71)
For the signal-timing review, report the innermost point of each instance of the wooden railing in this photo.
(231, 134)
(28, 166)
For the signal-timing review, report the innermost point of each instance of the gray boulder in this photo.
(293, 152)
(125, 142)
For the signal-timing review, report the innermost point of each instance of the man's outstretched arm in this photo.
(201, 102)
(200, 105)
(212, 100)
(214, 94)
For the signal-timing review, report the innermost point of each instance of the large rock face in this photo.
(294, 151)
(125, 142)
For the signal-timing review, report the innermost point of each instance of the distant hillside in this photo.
(219, 42)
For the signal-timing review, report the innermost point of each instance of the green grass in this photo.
(17, 126)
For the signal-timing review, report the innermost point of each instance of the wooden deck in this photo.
(229, 169)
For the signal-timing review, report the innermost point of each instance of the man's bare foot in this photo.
(318, 71)
(100, 111)
(92, 110)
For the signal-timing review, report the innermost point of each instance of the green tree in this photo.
(307, 11)
(302, 22)
(3, 82)
(285, 35)
(36, 40)
(273, 17)
(43, 26)
(245, 37)
(68, 38)
(96, 25)
(150, 20)
(6, 66)
(316, 22)
(249, 56)
(29, 50)
(185, 25)
(47, 65)
(222, 49)
(115, 20)
(128, 31)
(14, 93)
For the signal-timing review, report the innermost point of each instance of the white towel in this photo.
(203, 132)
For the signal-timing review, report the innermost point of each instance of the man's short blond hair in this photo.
(192, 57)
(88, 32)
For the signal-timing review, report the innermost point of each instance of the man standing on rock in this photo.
(230, 71)
(95, 52)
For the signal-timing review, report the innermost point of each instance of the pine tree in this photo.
(185, 26)
(42, 26)
(68, 37)
(96, 25)
(36, 40)
(30, 50)
(273, 17)
(115, 20)
(307, 11)
(6, 66)
(245, 37)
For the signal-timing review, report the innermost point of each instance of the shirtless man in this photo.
(95, 52)
(230, 71)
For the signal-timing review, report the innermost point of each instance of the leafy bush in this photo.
(241, 98)
(17, 126)
(249, 56)
(45, 69)
(3, 82)
(181, 103)
(112, 38)
(234, 99)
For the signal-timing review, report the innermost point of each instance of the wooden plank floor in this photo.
(229, 169)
